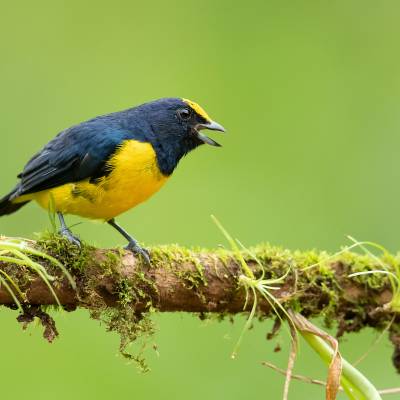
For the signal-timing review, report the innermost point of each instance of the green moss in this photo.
(224, 257)
(125, 292)
(330, 309)
(123, 318)
(361, 263)
(174, 257)
(76, 258)
(130, 326)
(111, 262)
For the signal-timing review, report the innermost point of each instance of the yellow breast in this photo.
(134, 177)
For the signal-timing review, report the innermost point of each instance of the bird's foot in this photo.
(67, 234)
(136, 249)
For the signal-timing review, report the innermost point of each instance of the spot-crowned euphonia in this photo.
(102, 167)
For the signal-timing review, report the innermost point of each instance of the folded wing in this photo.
(78, 153)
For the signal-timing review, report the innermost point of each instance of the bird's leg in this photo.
(133, 245)
(65, 232)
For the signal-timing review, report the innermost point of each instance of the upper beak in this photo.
(213, 126)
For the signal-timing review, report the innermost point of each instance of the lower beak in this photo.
(213, 126)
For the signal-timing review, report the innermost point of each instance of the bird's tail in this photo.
(7, 206)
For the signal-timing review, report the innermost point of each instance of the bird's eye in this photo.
(184, 114)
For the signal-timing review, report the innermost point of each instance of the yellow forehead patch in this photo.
(198, 109)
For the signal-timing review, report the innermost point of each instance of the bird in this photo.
(102, 167)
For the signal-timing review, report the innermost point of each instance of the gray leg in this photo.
(133, 245)
(65, 232)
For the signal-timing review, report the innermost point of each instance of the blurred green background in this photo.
(310, 95)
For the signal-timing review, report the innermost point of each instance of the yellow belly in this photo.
(134, 178)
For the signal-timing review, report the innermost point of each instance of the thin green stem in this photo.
(247, 324)
(54, 261)
(15, 286)
(10, 291)
(50, 288)
(235, 248)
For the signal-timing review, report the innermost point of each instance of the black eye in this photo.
(184, 114)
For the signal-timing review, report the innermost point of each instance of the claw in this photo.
(66, 233)
(138, 250)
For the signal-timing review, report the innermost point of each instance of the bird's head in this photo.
(180, 121)
(176, 127)
(193, 118)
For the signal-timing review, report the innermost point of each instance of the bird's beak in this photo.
(213, 126)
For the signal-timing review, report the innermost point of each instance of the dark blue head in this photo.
(175, 126)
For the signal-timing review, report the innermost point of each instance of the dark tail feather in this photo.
(7, 206)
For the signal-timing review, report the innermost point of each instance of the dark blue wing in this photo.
(78, 153)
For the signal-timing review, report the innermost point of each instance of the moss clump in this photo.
(362, 263)
(119, 316)
(129, 325)
(76, 258)
(111, 261)
(122, 316)
(184, 263)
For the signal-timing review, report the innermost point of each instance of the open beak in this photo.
(213, 126)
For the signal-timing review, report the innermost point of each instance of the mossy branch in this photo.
(116, 283)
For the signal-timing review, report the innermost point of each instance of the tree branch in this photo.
(180, 279)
